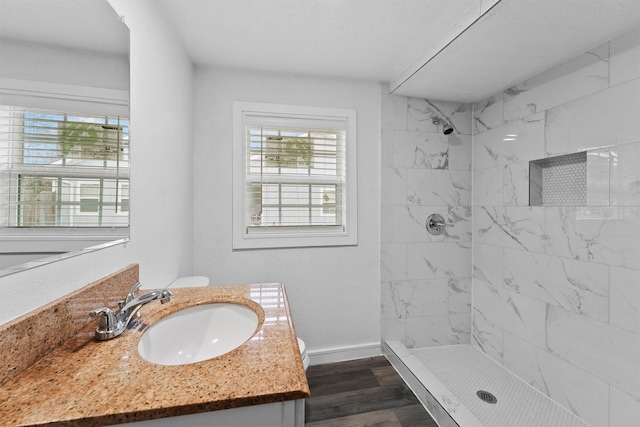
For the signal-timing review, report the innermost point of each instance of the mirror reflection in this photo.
(64, 130)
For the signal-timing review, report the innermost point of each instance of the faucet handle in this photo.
(107, 317)
(130, 297)
(132, 293)
(108, 324)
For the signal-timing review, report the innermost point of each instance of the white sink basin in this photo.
(198, 333)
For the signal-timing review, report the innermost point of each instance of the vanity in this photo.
(66, 378)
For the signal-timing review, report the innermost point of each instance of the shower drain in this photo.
(485, 396)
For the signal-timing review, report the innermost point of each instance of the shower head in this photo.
(446, 127)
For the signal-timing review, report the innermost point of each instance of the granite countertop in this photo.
(101, 383)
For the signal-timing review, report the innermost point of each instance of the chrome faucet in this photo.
(112, 323)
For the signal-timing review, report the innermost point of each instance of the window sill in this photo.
(293, 240)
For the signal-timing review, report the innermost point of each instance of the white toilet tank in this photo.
(190, 282)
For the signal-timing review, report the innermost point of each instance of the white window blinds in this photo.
(294, 176)
(59, 169)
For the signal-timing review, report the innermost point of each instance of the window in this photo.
(62, 170)
(294, 176)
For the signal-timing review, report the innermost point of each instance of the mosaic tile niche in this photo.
(559, 181)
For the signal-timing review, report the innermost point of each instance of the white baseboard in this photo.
(340, 354)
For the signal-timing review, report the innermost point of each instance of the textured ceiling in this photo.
(422, 48)
(438, 49)
(360, 39)
(518, 39)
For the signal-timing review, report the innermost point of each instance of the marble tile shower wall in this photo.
(556, 290)
(426, 280)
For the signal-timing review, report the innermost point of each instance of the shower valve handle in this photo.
(435, 224)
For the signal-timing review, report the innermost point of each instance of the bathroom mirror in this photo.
(64, 70)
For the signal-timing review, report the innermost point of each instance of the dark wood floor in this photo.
(358, 393)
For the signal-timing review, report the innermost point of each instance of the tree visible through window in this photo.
(294, 177)
(60, 169)
(294, 173)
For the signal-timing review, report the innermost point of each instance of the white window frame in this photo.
(298, 236)
(61, 97)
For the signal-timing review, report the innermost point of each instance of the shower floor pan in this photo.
(447, 381)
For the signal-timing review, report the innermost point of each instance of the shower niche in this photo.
(559, 181)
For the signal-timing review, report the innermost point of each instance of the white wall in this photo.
(45, 63)
(333, 291)
(161, 217)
